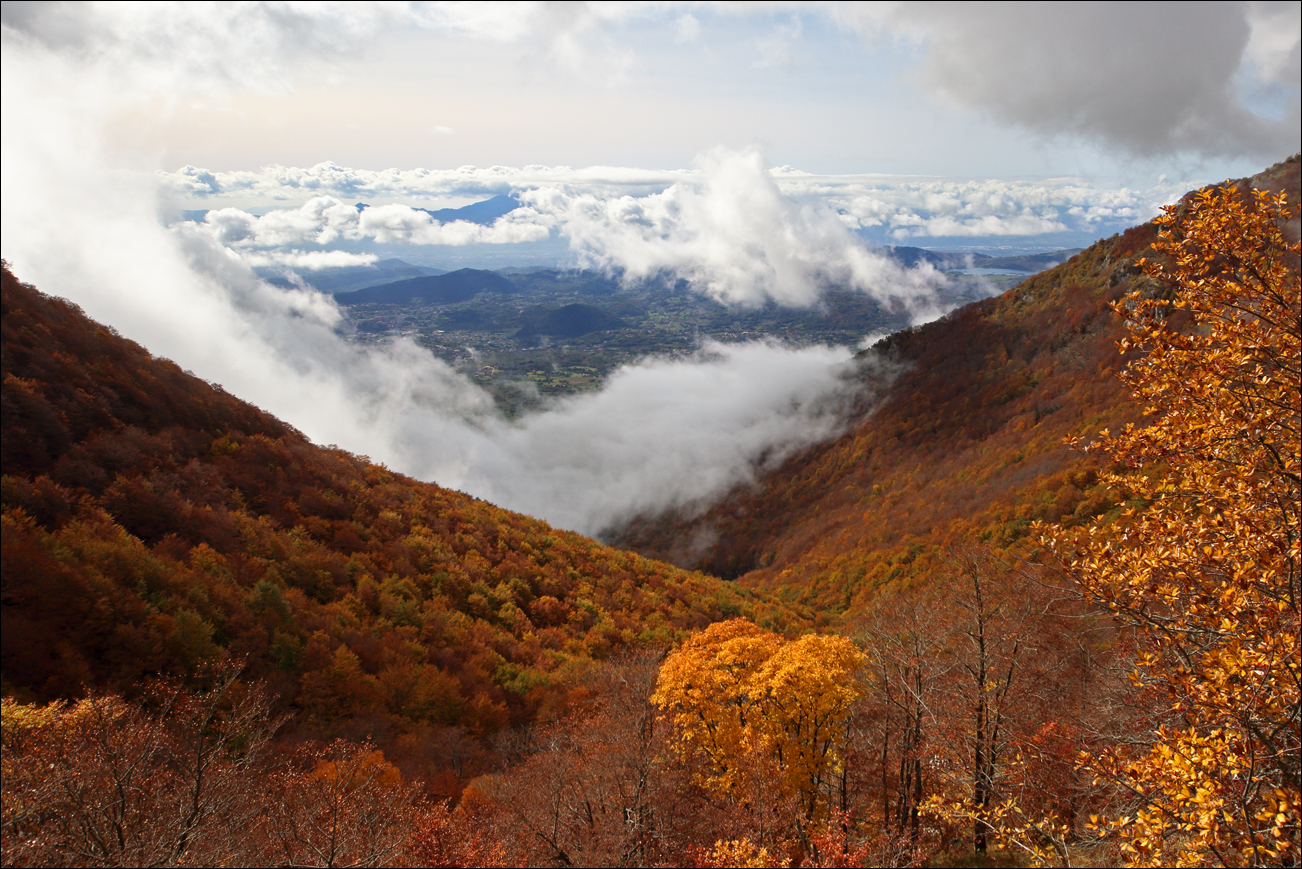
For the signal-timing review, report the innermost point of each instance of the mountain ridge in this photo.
(152, 523)
(967, 445)
(457, 286)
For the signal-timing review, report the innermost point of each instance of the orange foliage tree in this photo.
(740, 695)
(1205, 559)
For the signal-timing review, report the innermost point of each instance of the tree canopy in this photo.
(1204, 560)
(735, 689)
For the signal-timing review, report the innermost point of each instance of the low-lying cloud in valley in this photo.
(82, 222)
(661, 434)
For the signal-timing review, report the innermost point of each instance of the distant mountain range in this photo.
(394, 281)
(442, 289)
(483, 213)
(344, 281)
(1029, 263)
(349, 278)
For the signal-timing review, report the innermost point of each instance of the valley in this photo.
(561, 333)
(651, 435)
(878, 652)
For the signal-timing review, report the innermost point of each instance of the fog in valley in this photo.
(86, 223)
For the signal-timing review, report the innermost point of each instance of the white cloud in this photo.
(687, 28)
(1273, 54)
(726, 221)
(989, 225)
(675, 433)
(324, 220)
(171, 48)
(941, 207)
(291, 183)
(728, 228)
(398, 224)
(664, 434)
(310, 260)
(731, 233)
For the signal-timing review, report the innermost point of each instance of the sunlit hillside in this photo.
(944, 638)
(967, 445)
(153, 523)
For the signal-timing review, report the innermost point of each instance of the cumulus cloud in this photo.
(1153, 78)
(324, 220)
(727, 227)
(308, 260)
(741, 231)
(400, 224)
(733, 234)
(937, 207)
(290, 183)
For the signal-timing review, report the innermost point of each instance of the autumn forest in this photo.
(1039, 604)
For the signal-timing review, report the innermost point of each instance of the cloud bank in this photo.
(325, 220)
(736, 229)
(727, 228)
(733, 234)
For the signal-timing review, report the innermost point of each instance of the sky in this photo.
(155, 155)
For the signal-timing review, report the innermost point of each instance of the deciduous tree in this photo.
(739, 694)
(1205, 557)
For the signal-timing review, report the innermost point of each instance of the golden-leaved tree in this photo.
(740, 694)
(1204, 560)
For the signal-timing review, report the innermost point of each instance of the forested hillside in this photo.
(1024, 651)
(968, 444)
(154, 523)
